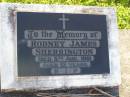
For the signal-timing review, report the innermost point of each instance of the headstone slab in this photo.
(23, 28)
(61, 44)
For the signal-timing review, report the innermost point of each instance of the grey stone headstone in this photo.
(17, 50)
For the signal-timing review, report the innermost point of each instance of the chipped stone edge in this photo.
(8, 57)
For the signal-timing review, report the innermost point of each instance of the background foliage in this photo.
(122, 7)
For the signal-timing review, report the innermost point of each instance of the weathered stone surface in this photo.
(8, 50)
(124, 37)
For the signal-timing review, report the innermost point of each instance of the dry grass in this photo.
(125, 62)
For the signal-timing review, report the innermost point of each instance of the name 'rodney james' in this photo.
(51, 38)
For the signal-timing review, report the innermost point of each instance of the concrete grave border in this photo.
(8, 50)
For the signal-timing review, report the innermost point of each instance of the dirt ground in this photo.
(125, 62)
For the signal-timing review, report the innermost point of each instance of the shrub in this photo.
(122, 7)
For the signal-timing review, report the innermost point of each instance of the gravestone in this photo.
(58, 46)
(61, 48)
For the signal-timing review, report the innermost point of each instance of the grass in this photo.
(122, 7)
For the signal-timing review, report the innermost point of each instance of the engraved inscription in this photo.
(63, 51)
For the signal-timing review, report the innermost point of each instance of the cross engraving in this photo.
(63, 19)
